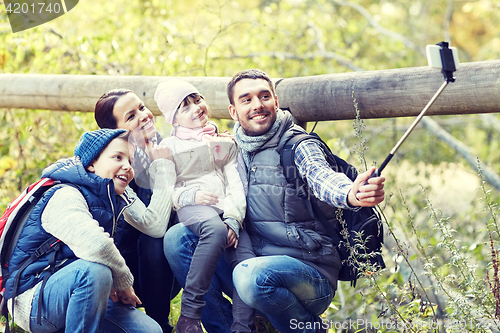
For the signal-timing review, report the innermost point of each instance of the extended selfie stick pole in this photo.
(377, 172)
(448, 69)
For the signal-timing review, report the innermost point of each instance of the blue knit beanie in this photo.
(91, 144)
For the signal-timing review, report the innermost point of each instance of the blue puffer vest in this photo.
(278, 221)
(104, 206)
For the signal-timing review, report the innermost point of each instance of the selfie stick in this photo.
(449, 66)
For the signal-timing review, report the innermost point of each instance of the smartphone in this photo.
(437, 55)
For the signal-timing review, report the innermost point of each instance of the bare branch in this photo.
(309, 56)
(319, 36)
(360, 9)
(490, 121)
(447, 20)
(489, 175)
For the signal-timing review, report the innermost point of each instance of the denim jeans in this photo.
(154, 281)
(179, 246)
(290, 292)
(76, 299)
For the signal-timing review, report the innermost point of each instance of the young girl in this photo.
(209, 198)
(88, 269)
(154, 282)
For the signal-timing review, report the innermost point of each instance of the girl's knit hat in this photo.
(91, 144)
(169, 95)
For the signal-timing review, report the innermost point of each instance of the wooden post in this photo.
(380, 94)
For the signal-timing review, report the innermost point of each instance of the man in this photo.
(293, 277)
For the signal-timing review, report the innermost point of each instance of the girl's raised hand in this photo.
(226, 134)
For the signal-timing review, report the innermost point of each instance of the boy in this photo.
(82, 213)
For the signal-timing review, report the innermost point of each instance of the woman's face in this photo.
(131, 114)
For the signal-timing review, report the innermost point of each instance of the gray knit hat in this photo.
(91, 144)
(169, 95)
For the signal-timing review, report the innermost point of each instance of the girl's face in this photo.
(193, 113)
(114, 163)
(131, 114)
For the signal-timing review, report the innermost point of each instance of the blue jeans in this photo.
(154, 281)
(76, 299)
(179, 246)
(288, 291)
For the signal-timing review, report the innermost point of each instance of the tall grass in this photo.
(443, 271)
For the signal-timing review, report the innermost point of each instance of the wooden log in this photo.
(380, 94)
(392, 93)
(81, 92)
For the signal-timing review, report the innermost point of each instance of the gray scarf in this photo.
(250, 144)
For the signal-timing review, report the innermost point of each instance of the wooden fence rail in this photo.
(380, 94)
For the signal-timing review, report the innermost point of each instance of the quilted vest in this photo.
(278, 221)
(106, 209)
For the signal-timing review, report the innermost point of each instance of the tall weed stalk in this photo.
(469, 305)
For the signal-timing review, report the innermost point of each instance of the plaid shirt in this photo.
(327, 185)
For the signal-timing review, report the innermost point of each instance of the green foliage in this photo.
(442, 266)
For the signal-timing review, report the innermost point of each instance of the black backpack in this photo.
(360, 236)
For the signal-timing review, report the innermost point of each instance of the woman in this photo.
(156, 285)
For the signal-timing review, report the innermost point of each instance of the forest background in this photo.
(441, 238)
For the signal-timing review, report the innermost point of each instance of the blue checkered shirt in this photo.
(327, 185)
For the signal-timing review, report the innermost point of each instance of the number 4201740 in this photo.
(35, 8)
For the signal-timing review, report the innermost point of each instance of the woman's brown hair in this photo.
(103, 111)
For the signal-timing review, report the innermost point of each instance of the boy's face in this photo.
(114, 163)
(255, 106)
(192, 114)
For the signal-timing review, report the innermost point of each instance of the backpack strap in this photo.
(52, 268)
(287, 158)
(50, 246)
(292, 175)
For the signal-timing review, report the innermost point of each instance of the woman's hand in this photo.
(156, 152)
(205, 198)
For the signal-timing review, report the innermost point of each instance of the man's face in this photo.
(254, 107)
